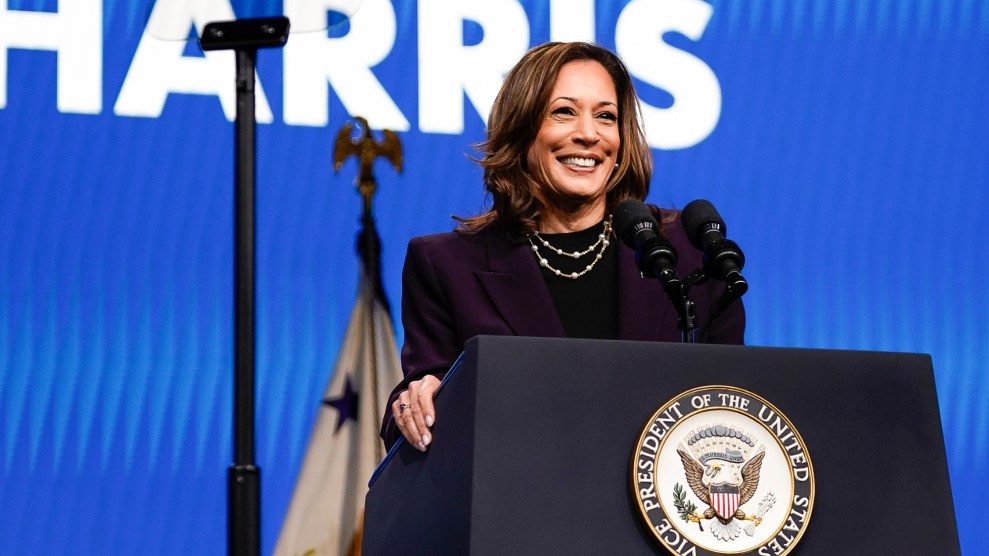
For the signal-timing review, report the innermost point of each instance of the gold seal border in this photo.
(685, 395)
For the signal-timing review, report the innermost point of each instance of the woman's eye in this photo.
(610, 116)
(564, 110)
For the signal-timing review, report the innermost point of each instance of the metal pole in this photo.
(244, 37)
(244, 488)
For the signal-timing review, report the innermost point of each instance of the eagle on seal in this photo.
(702, 482)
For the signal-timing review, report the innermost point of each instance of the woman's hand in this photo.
(414, 413)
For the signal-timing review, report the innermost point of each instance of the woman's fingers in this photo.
(427, 391)
(402, 412)
(416, 408)
(414, 412)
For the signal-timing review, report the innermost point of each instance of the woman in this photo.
(564, 146)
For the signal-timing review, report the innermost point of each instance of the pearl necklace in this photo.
(603, 241)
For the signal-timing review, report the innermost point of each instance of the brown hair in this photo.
(514, 121)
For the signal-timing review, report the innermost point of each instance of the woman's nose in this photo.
(585, 131)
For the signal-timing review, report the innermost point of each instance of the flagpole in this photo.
(369, 249)
(366, 149)
(326, 514)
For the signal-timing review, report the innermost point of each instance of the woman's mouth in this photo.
(579, 161)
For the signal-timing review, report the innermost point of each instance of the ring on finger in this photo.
(402, 407)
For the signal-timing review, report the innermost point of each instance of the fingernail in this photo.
(425, 439)
(421, 447)
(429, 420)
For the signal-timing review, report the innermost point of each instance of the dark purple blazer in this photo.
(456, 286)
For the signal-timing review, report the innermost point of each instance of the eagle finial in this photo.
(366, 149)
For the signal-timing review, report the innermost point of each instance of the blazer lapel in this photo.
(642, 304)
(517, 289)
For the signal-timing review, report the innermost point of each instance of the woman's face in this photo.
(576, 146)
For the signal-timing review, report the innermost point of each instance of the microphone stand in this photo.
(733, 291)
(676, 291)
(687, 321)
(244, 36)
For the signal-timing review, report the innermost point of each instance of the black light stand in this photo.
(244, 36)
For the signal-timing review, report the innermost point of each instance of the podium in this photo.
(534, 441)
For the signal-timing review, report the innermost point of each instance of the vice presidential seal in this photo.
(719, 470)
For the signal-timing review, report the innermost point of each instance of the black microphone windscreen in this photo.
(698, 213)
(630, 215)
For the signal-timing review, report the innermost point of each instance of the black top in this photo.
(588, 305)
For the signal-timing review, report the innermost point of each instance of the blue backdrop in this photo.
(843, 141)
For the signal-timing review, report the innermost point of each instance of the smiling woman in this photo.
(554, 87)
(564, 146)
(575, 151)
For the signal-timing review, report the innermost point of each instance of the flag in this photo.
(325, 516)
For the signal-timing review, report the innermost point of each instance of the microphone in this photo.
(655, 255)
(723, 258)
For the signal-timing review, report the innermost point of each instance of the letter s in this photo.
(695, 89)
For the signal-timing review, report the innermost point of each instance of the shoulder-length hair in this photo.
(516, 115)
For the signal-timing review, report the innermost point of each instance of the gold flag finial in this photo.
(366, 149)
